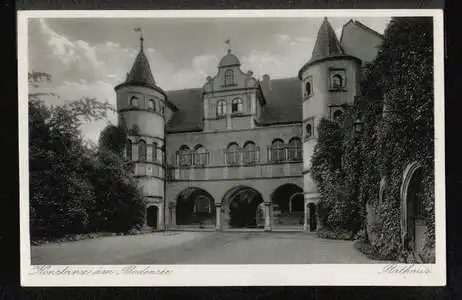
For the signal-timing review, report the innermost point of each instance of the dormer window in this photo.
(236, 105)
(134, 101)
(229, 77)
(221, 108)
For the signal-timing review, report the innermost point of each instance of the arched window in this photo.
(236, 105)
(308, 88)
(184, 156)
(202, 205)
(233, 154)
(134, 101)
(129, 150)
(308, 131)
(295, 149)
(200, 156)
(154, 151)
(151, 105)
(229, 77)
(338, 114)
(221, 108)
(337, 81)
(250, 153)
(142, 153)
(278, 151)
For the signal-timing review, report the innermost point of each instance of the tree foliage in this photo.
(74, 187)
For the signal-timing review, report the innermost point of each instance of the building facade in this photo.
(237, 152)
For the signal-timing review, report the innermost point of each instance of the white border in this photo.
(240, 275)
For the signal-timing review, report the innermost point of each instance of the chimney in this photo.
(266, 83)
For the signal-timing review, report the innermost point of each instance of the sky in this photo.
(89, 57)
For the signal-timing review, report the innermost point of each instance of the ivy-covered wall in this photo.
(396, 107)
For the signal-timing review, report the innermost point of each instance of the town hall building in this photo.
(236, 152)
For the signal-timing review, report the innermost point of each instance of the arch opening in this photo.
(242, 208)
(412, 197)
(195, 207)
(288, 205)
(151, 216)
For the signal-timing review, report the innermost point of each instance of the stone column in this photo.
(306, 224)
(218, 216)
(173, 218)
(267, 216)
(160, 215)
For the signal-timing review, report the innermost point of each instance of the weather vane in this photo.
(138, 29)
(228, 42)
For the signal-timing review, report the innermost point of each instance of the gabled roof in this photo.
(283, 105)
(190, 114)
(283, 102)
(327, 44)
(360, 25)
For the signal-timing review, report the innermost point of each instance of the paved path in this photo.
(201, 248)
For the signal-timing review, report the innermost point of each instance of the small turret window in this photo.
(134, 101)
(151, 105)
(308, 130)
(142, 151)
(236, 105)
(337, 79)
(154, 151)
(229, 77)
(308, 88)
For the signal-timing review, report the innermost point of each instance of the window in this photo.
(277, 151)
(308, 131)
(142, 150)
(308, 88)
(184, 156)
(338, 115)
(200, 156)
(154, 151)
(129, 150)
(233, 154)
(202, 205)
(229, 77)
(134, 101)
(236, 105)
(295, 149)
(250, 153)
(151, 105)
(162, 108)
(337, 79)
(221, 108)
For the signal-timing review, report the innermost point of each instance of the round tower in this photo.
(143, 108)
(329, 82)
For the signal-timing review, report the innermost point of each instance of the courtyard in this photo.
(189, 247)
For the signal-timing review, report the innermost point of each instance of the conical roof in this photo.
(327, 44)
(140, 73)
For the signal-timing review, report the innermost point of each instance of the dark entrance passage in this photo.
(195, 208)
(151, 216)
(288, 206)
(243, 207)
(416, 212)
(312, 215)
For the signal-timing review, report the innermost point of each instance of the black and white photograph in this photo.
(232, 147)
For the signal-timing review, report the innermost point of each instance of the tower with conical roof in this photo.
(330, 81)
(143, 108)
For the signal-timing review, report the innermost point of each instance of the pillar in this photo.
(160, 214)
(218, 216)
(306, 223)
(267, 216)
(173, 217)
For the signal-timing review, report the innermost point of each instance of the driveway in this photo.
(202, 248)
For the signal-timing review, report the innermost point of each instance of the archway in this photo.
(288, 206)
(242, 207)
(151, 216)
(413, 209)
(195, 207)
